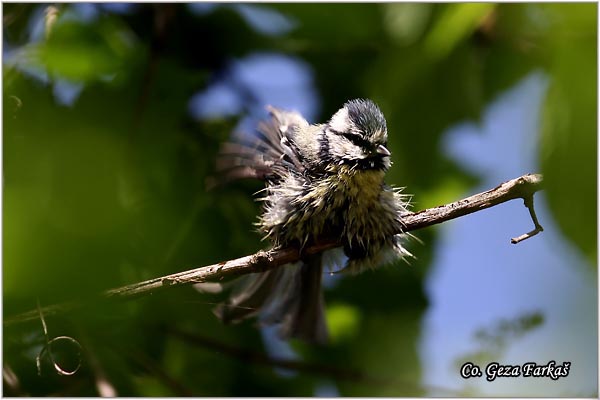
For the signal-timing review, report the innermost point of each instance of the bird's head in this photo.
(357, 136)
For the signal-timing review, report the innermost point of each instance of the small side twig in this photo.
(537, 227)
(522, 187)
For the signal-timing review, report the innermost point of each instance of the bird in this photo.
(322, 181)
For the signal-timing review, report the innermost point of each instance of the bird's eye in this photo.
(358, 140)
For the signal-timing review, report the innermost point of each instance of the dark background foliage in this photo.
(109, 139)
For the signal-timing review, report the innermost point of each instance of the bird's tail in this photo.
(290, 296)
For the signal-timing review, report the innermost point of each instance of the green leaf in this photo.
(343, 321)
(82, 52)
(454, 25)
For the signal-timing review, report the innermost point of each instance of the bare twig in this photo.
(47, 349)
(255, 357)
(312, 368)
(523, 187)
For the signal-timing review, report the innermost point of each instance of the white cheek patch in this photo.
(341, 148)
(355, 154)
(340, 121)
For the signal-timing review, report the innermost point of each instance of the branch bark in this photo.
(523, 187)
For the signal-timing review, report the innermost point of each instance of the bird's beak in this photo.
(382, 150)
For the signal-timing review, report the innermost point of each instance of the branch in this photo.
(523, 187)
(247, 356)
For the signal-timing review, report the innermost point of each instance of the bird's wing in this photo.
(269, 154)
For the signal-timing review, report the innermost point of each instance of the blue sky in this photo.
(478, 277)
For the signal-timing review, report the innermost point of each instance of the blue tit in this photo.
(323, 181)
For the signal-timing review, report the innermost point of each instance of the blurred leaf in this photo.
(492, 341)
(569, 131)
(360, 27)
(456, 22)
(83, 52)
(149, 386)
(406, 22)
(342, 321)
